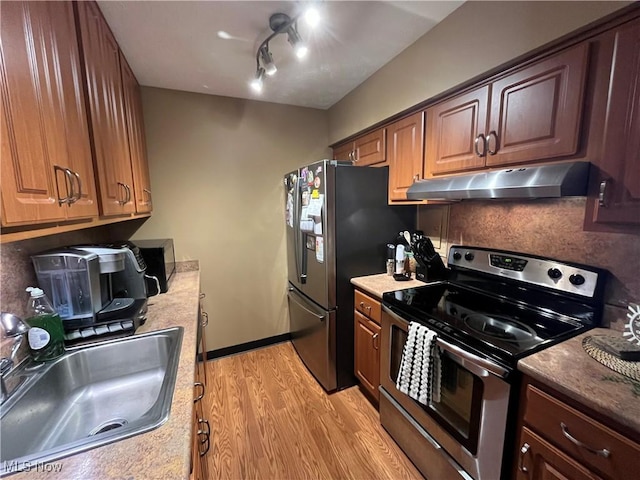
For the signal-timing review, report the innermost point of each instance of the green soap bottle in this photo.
(46, 335)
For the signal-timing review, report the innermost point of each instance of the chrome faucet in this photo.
(13, 327)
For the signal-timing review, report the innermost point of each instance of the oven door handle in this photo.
(466, 357)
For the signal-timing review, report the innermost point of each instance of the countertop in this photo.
(163, 453)
(567, 368)
(380, 283)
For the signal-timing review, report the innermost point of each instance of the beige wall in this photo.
(475, 38)
(217, 165)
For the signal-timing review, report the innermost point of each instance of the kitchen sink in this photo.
(90, 396)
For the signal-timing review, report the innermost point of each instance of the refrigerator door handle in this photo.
(292, 297)
(296, 223)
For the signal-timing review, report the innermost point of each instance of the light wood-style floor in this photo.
(270, 419)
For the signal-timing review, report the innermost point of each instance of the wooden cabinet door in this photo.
(455, 133)
(44, 125)
(101, 60)
(405, 154)
(137, 144)
(344, 152)
(367, 353)
(370, 148)
(536, 112)
(539, 460)
(620, 165)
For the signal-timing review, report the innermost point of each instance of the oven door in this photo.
(469, 421)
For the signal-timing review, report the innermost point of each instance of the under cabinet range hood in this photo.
(542, 181)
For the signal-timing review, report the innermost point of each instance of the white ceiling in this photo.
(174, 44)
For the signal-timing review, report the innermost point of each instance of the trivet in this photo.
(623, 367)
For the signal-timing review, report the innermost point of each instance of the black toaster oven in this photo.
(161, 262)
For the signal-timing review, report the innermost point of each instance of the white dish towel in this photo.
(419, 374)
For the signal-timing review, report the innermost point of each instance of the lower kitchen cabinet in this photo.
(558, 440)
(201, 430)
(367, 343)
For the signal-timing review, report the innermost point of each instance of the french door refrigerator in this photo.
(338, 224)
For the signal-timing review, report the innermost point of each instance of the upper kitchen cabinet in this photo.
(47, 172)
(531, 114)
(368, 149)
(455, 133)
(405, 154)
(619, 168)
(101, 62)
(137, 145)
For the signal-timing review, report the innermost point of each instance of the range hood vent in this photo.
(544, 181)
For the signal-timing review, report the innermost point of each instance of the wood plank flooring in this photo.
(270, 419)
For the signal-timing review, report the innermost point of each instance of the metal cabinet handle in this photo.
(202, 295)
(205, 319)
(128, 189)
(480, 139)
(602, 197)
(416, 177)
(76, 175)
(523, 453)
(201, 396)
(148, 192)
(602, 452)
(375, 338)
(355, 156)
(207, 435)
(120, 184)
(493, 134)
(364, 305)
(68, 185)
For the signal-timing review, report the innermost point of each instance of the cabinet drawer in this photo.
(595, 445)
(368, 306)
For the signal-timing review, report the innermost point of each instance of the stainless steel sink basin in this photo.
(89, 397)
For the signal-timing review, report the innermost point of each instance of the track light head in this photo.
(296, 42)
(267, 61)
(256, 83)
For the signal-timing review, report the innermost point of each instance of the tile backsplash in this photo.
(552, 228)
(16, 269)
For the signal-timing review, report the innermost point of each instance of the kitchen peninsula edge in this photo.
(163, 453)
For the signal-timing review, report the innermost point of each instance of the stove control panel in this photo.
(549, 273)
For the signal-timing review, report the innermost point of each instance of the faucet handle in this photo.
(12, 325)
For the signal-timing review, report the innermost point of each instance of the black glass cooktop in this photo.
(499, 322)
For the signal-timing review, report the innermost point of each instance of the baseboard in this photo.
(245, 347)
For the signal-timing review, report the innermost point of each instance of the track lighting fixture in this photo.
(282, 23)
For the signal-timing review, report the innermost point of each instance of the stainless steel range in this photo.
(495, 308)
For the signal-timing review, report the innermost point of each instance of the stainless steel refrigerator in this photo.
(338, 224)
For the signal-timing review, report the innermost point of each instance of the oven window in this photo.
(460, 405)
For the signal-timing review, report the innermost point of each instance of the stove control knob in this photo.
(554, 273)
(468, 256)
(576, 279)
(457, 255)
